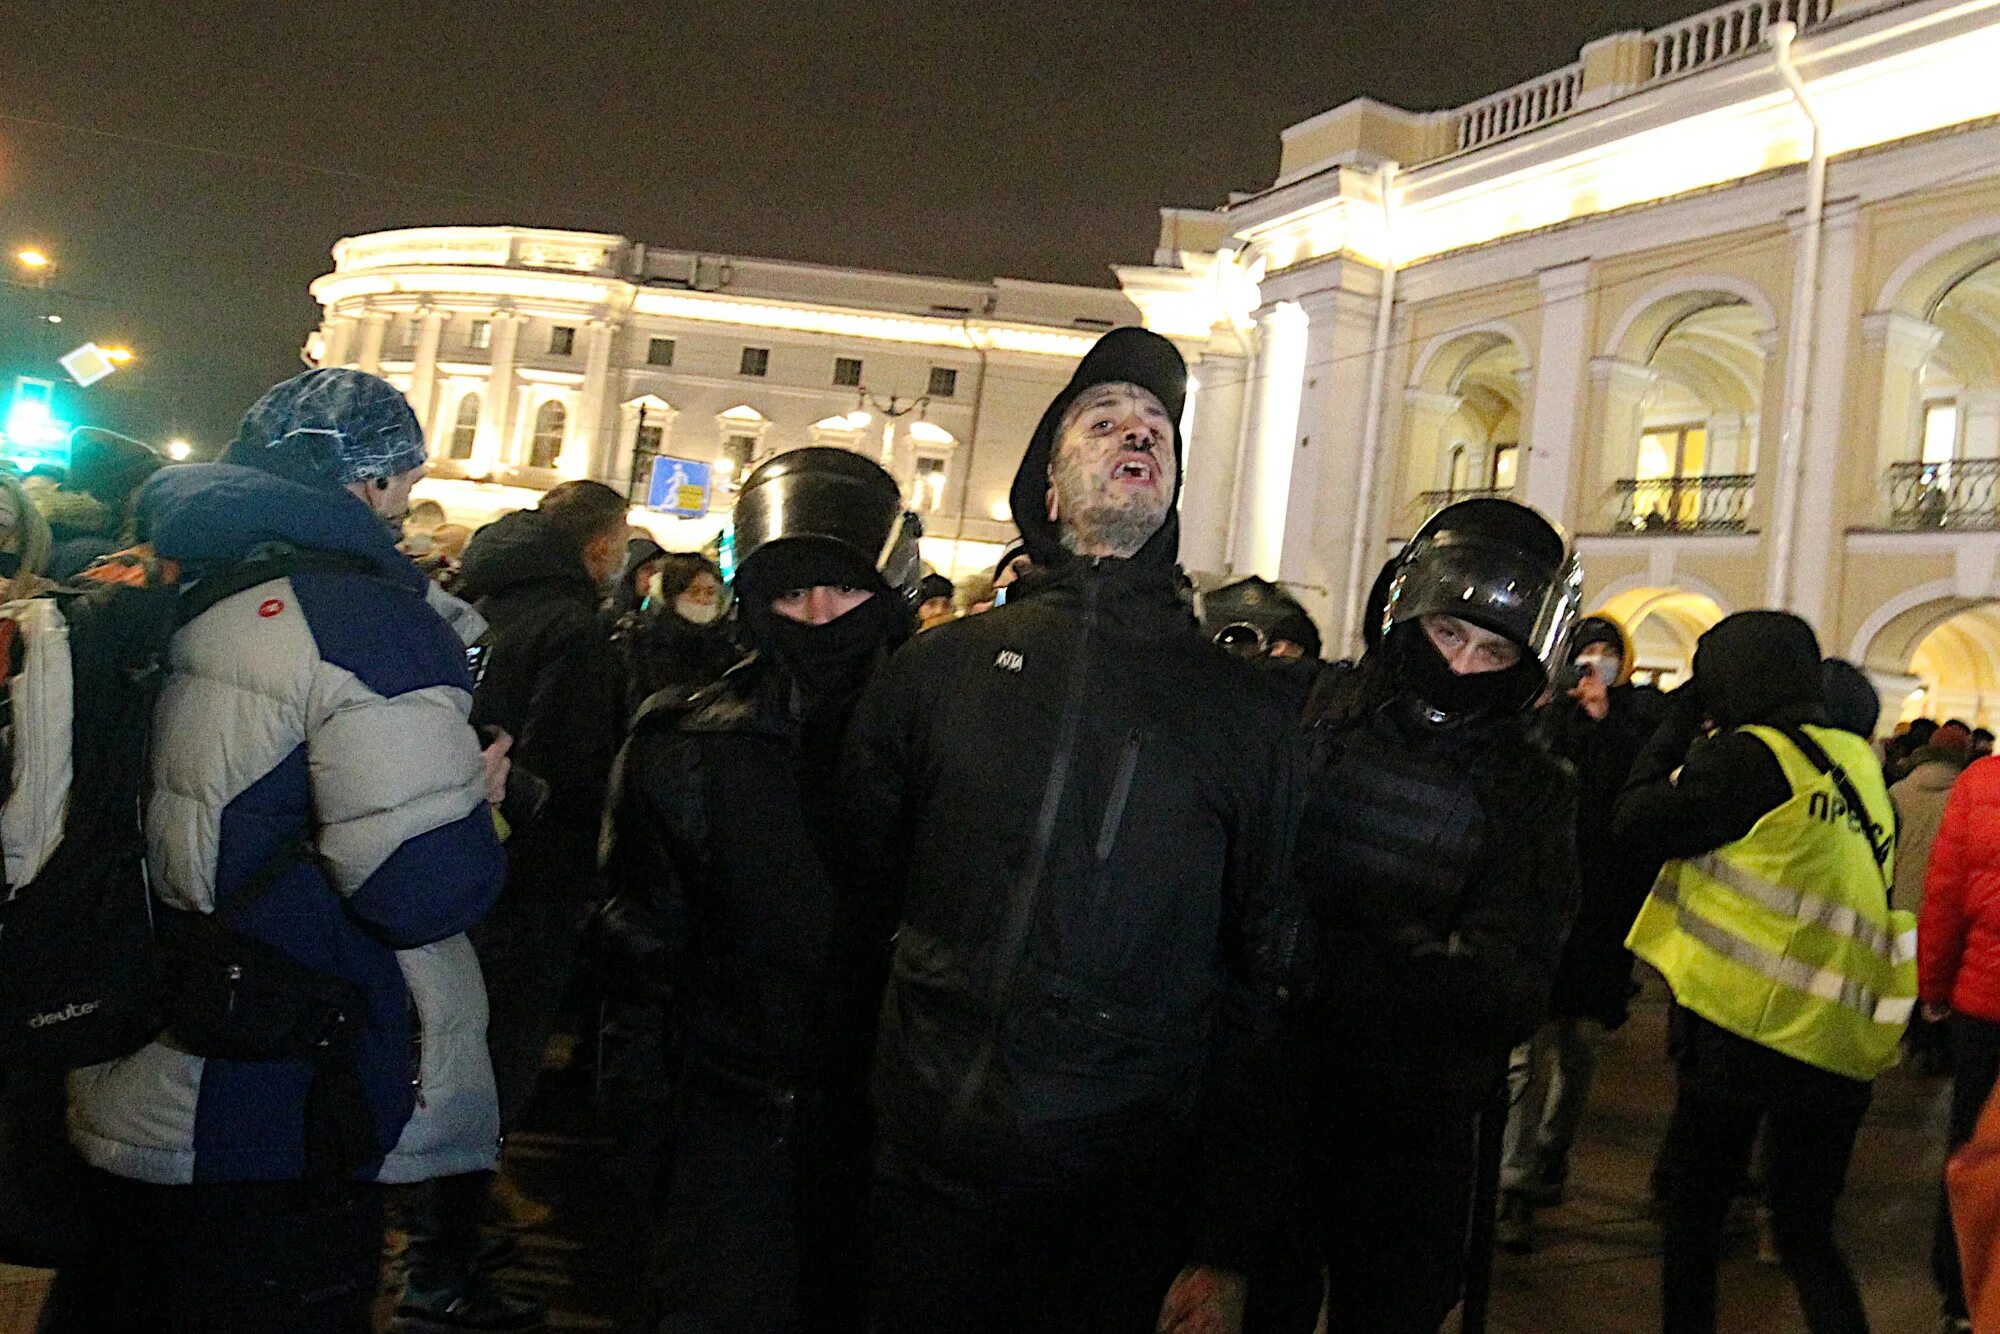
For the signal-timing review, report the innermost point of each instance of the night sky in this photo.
(190, 164)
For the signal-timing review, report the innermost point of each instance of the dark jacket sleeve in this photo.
(652, 853)
(1689, 795)
(1252, 1112)
(570, 732)
(877, 770)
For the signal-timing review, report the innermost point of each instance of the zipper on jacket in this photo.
(1121, 791)
(1020, 912)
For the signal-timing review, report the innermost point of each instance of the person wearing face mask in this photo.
(1437, 850)
(683, 640)
(727, 815)
(1598, 725)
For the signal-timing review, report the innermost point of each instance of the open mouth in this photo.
(1136, 468)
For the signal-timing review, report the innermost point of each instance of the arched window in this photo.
(548, 440)
(465, 427)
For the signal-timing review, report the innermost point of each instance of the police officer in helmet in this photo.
(726, 822)
(1437, 847)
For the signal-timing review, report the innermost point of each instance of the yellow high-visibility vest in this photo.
(1785, 936)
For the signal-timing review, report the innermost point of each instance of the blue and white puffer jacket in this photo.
(331, 704)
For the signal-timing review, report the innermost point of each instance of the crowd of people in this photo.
(1071, 950)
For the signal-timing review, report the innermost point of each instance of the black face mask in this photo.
(1427, 676)
(834, 659)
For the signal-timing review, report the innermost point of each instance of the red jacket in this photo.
(1958, 932)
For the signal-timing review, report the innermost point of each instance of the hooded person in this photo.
(1065, 813)
(317, 782)
(1437, 848)
(1780, 839)
(1598, 725)
(727, 818)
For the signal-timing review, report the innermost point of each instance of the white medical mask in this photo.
(697, 613)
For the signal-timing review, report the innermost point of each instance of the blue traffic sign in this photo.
(679, 486)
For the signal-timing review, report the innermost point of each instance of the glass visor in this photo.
(1492, 585)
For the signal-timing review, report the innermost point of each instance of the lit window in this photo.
(847, 372)
(1506, 465)
(1941, 432)
(944, 382)
(465, 427)
(481, 335)
(737, 451)
(659, 352)
(548, 441)
(756, 361)
(927, 485)
(562, 340)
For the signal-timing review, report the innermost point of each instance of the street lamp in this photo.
(117, 356)
(30, 258)
(179, 450)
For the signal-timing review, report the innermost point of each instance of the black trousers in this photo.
(1094, 1259)
(1975, 1063)
(1394, 1179)
(765, 1230)
(1810, 1122)
(280, 1257)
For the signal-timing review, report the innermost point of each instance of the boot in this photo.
(477, 1304)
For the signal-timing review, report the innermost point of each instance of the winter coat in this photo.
(665, 651)
(1068, 810)
(1958, 933)
(726, 816)
(1594, 979)
(1440, 865)
(1920, 797)
(553, 682)
(330, 705)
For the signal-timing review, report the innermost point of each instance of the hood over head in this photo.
(1756, 665)
(1852, 702)
(109, 468)
(638, 550)
(519, 549)
(329, 429)
(1130, 355)
(219, 513)
(1608, 631)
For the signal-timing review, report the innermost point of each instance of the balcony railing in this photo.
(1683, 504)
(1430, 502)
(1727, 30)
(1542, 99)
(1958, 494)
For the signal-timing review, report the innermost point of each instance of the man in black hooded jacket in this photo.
(1066, 809)
(727, 815)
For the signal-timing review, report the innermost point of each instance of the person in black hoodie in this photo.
(1692, 792)
(684, 639)
(1598, 726)
(1066, 812)
(550, 679)
(1437, 849)
(727, 814)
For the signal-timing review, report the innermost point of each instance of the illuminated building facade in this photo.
(534, 356)
(1722, 297)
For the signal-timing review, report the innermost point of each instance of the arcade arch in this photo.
(1682, 402)
(1664, 624)
(1938, 658)
(1462, 415)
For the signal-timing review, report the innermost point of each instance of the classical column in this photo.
(374, 327)
(580, 456)
(1817, 543)
(1549, 444)
(336, 336)
(424, 368)
(1217, 384)
(494, 442)
(1264, 485)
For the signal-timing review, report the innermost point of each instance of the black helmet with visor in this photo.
(810, 514)
(1499, 565)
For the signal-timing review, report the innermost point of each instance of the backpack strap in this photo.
(229, 580)
(1882, 843)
